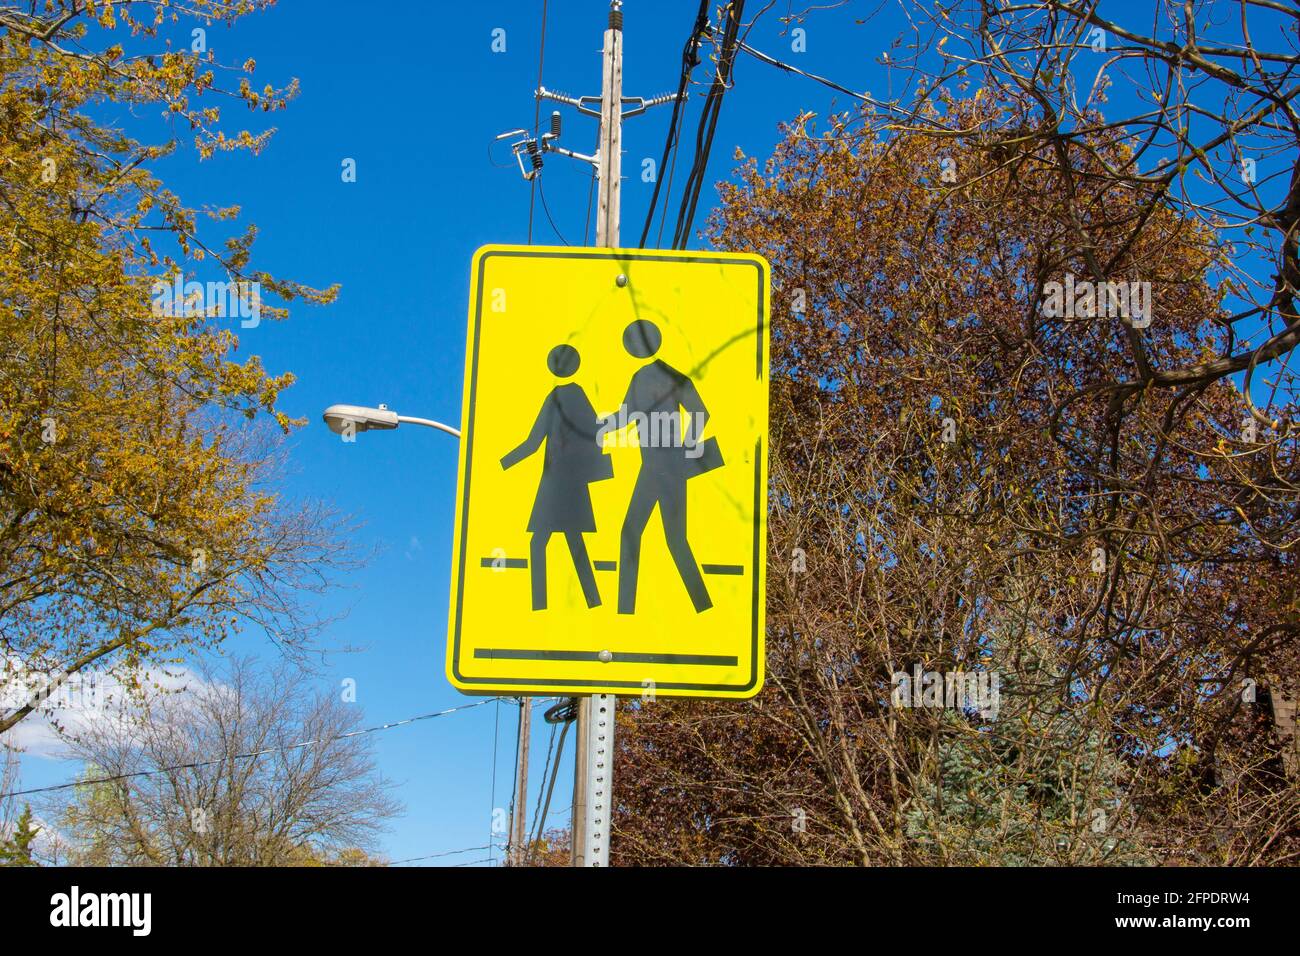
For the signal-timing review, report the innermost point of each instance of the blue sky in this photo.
(416, 98)
(416, 101)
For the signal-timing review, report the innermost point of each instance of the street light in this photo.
(364, 419)
(361, 418)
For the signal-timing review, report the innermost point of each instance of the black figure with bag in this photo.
(572, 461)
(671, 454)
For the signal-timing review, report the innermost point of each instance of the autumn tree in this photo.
(1202, 95)
(552, 848)
(138, 449)
(955, 487)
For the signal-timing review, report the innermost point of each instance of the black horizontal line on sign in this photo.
(522, 563)
(517, 654)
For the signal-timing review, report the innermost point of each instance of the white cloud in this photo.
(87, 701)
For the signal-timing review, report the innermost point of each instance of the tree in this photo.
(1205, 107)
(552, 848)
(16, 848)
(245, 768)
(138, 515)
(1019, 799)
(953, 487)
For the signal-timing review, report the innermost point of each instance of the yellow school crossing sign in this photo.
(611, 527)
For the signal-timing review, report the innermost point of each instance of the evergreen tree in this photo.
(1049, 793)
(17, 849)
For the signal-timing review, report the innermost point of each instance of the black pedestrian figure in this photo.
(670, 455)
(573, 459)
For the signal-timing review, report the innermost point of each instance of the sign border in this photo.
(758, 616)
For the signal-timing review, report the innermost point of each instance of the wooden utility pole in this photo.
(593, 765)
(519, 818)
(610, 169)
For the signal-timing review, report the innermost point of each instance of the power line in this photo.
(790, 68)
(540, 822)
(690, 58)
(434, 856)
(537, 181)
(708, 123)
(511, 850)
(250, 754)
(730, 43)
(591, 191)
(537, 119)
(663, 213)
(546, 766)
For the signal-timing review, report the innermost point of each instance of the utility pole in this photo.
(519, 819)
(610, 157)
(593, 767)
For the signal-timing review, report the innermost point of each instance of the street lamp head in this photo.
(361, 418)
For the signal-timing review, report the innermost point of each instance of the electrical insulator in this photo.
(534, 154)
(555, 124)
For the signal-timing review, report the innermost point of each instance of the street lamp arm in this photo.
(429, 422)
(349, 419)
